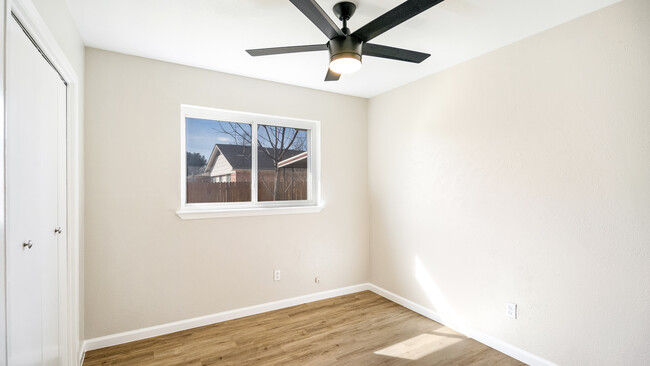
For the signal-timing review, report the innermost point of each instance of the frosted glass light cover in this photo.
(345, 65)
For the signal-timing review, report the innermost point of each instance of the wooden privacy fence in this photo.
(199, 192)
(290, 190)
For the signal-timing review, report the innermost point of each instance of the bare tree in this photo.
(237, 132)
(274, 142)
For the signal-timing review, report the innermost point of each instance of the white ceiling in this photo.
(213, 34)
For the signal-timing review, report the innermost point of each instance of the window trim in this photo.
(254, 207)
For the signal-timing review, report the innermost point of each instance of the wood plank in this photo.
(351, 330)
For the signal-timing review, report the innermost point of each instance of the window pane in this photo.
(218, 161)
(282, 163)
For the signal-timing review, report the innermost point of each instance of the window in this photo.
(236, 164)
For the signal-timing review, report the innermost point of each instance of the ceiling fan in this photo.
(346, 48)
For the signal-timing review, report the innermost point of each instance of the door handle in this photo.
(58, 230)
(28, 244)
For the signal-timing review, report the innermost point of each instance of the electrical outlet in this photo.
(317, 279)
(511, 310)
(276, 275)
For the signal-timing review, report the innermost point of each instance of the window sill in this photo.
(193, 214)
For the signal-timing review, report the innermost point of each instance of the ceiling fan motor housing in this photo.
(345, 47)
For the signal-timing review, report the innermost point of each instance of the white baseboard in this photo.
(487, 340)
(138, 334)
(82, 354)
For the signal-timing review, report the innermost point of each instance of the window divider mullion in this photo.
(254, 167)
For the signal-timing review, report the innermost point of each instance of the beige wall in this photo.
(527, 180)
(144, 265)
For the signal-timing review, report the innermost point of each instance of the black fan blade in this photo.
(317, 16)
(332, 76)
(393, 53)
(397, 15)
(289, 49)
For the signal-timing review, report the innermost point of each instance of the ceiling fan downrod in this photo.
(344, 11)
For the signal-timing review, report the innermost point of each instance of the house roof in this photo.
(296, 161)
(239, 157)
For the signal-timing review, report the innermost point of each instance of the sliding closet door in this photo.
(36, 112)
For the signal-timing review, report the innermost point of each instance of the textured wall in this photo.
(144, 265)
(525, 177)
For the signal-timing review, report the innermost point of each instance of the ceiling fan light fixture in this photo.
(345, 47)
(345, 54)
(345, 63)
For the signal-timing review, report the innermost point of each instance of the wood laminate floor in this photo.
(352, 330)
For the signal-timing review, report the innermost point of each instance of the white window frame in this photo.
(254, 207)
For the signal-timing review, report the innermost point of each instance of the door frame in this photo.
(31, 20)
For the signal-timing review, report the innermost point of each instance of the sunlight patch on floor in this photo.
(422, 345)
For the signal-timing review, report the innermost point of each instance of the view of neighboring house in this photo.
(282, 175)
(232, 163)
